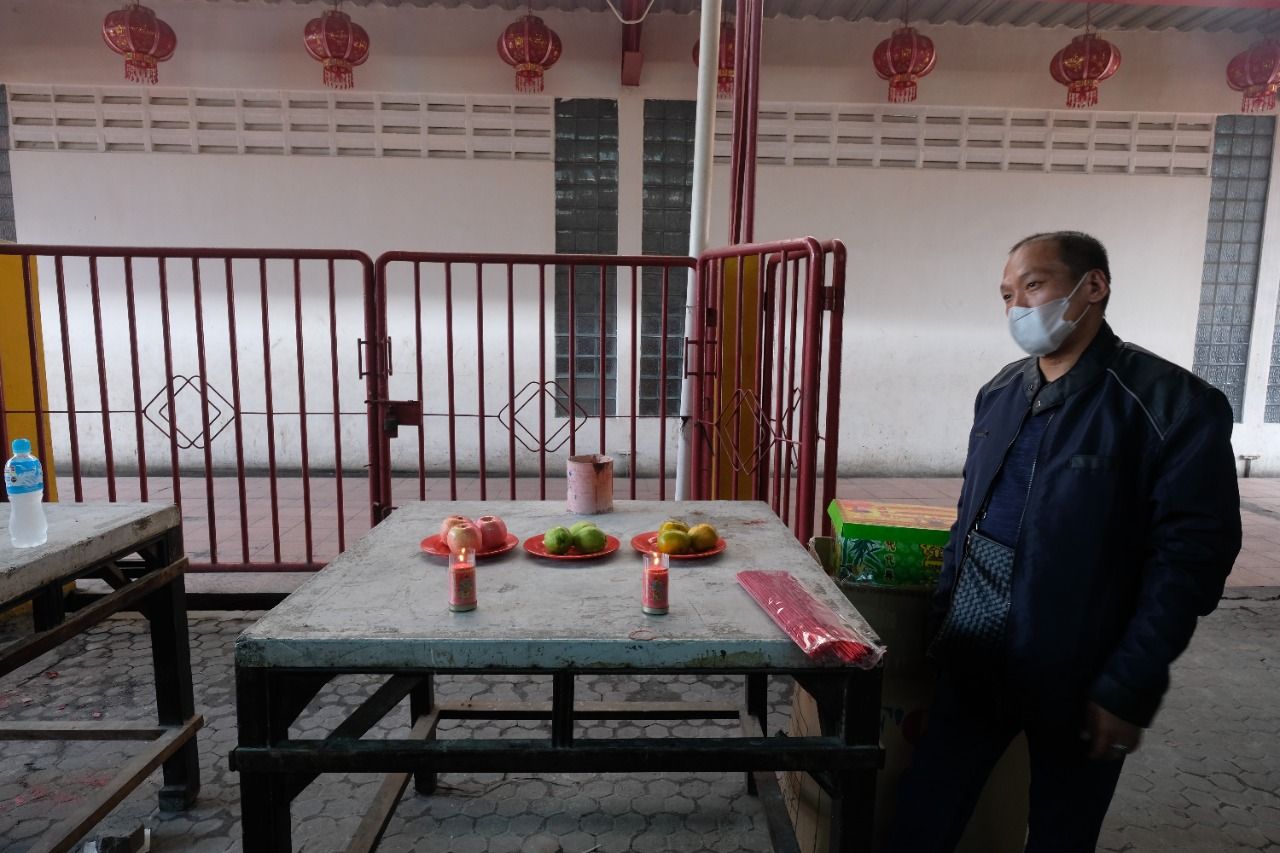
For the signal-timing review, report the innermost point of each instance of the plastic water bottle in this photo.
(24, 482)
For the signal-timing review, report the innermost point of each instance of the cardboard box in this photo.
(889, 544)
(899, 616)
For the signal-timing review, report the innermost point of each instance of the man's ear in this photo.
(1097, 286)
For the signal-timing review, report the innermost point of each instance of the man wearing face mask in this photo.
(1098, 520)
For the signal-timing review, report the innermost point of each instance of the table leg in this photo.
(48, 607)
(562, 709)
(853, 802)
(266, 825)
(171, 660)
(758, 707)
(422, 700)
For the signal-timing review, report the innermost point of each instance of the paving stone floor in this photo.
(1206, 780)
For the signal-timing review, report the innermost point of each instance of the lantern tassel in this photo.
(1082, 95)
(1259, 100)
(902, 91)
(724, 84)
(528, 79)
(140, 69)
(338, 75)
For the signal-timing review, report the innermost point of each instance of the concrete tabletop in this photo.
(384, 605)
(80, 536)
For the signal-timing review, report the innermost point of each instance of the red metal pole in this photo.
(107, 448)
(197, 296)
(137, 380)
(511, 377)
(480, 426)
(236, 404)
(68, 377)
(337, 404)
(302, 408)
(271, 408)
(751, 120)
(448, 353)
(417, 349)
(834, 349)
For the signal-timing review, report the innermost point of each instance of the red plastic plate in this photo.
(647, 543)
(534, 546)
(433, 546)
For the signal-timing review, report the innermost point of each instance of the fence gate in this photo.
(766, 376)
(232, 382)
(506, 364)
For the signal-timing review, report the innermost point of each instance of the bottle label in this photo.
(23, 477)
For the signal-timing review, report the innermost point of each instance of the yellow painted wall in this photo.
(15, 365)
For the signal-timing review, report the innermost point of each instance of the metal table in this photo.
(95, 541)
(381, 607)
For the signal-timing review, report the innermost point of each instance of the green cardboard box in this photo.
(890, 544)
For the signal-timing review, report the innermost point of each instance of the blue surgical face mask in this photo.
(1043, 329)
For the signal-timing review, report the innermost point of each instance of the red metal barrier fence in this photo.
(760, 400)
(222, 380)
(488, 385)
(265, 391)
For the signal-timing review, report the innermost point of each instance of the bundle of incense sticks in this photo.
(815, 627)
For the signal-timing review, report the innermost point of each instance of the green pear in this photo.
(557, 540)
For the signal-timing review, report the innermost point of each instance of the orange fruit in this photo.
(673, 542)
(673, 524)
(703, 537)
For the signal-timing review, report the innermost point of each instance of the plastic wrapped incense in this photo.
(817, 629)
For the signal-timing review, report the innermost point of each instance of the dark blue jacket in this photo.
(1132, 524)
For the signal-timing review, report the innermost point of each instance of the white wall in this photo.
(924, 325)
(259, 46)
(926, 248)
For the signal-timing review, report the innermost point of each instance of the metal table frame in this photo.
(274, 768)
(277, 677)
(154, 587)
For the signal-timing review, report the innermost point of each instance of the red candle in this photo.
(654, 592)
(462, 580)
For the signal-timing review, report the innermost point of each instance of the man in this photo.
(1098, 519)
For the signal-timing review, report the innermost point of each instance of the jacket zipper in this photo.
(1035, 461)
(986, 498)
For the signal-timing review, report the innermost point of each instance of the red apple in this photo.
(465, 535)
(451, 521)
(493, 532)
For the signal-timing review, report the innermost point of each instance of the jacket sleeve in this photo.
(1193, 542)
(951, 553)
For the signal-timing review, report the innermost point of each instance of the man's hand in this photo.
(1110, 738)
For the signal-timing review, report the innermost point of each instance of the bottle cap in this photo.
(21, 445)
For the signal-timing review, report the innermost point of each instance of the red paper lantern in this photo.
(902, 59)
(531, 47)
(724, 64)
(1082, 65)
(142, 39)
(1256, 73)
(340, 44)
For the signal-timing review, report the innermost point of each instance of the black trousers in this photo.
(969, 727)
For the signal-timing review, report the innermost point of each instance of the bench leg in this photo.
(175, 698)
(422, 701)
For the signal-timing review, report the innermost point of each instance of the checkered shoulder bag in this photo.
(978, 618)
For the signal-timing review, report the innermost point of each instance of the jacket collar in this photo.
(1092, 364)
